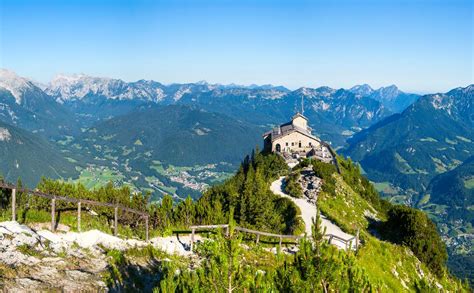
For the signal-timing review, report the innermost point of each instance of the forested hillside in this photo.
(29, 157)
(407, 150)
(400, 248)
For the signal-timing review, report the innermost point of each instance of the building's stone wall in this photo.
(295, 142)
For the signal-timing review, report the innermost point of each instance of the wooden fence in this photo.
(14, 189)
(347, 242)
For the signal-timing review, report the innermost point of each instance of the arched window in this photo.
(278, 147)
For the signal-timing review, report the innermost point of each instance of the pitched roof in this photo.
(284, 130)
(298, 114)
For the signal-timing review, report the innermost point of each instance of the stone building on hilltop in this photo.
(294, 139)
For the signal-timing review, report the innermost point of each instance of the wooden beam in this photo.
(192, 239)
(357, 240)
(265, 233)
(53, 214)
(146, 228)
(115, 220)
(69, 199)
(13, 204)
(200, 227)
(79, 216)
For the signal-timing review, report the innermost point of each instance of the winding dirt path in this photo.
(308, 212)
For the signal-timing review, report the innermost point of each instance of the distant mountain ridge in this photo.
(337, 113)
(24, 104)
(391, 97)
(432, 136)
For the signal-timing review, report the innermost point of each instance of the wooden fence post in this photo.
(79, 216)
(192, 239)
(146, 228)
(258, 238)
(115, 220)
(53, 214)
(227, 231)
(357, 240)
(280, 241)
(13, 204)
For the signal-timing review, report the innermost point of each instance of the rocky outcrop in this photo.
(311, 185)
(39, 260)
(30, 261)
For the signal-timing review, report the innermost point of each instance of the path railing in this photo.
(347, 242)
(14, 189)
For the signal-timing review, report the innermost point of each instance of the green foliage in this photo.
(414, 229)
(361, 185)
(175, 134)
(28, 250)
(226, 267)
(409, 149)
(108, 194)
(325, 171)
(450, 189)
(248, 193)
(292, 186)
(31, 156)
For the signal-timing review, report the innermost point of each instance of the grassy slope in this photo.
(393, 267)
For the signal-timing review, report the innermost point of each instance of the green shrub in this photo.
(292, 186)
(325, 172)
(414, 229)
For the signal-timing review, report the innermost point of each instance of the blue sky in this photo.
(419, 45)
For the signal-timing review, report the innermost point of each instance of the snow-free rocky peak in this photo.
(362, 90)
(15, 84)
(388, 93)
(323, 91)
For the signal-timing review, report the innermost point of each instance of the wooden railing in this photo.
(347, 242)
(14, 189)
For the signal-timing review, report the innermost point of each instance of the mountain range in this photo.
(432, 136)
(182, 138)
(337, 113)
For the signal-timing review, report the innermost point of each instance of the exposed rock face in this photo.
(311, 184)
(39, 260)
(30, 261)
(4, 134)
